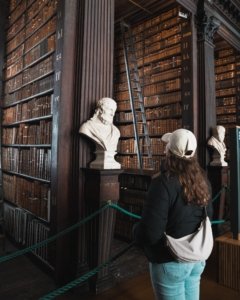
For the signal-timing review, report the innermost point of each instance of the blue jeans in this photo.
(176, 281)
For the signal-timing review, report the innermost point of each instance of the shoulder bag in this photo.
(193, 247)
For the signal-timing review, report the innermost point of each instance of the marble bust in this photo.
(101, 130)
(216, 142)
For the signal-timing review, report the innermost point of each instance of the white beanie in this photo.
(181, 142)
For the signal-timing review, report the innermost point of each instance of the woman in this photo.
(174, 205)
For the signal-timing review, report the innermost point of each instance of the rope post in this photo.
(100, 186)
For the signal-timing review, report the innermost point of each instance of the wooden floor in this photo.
(20, 279)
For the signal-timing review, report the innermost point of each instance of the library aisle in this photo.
(21, 279)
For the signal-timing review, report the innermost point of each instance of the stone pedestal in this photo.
(101, 186)
(219, 177)
(105, 160)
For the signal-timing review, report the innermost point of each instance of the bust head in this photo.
(220, 133)
(106, 108)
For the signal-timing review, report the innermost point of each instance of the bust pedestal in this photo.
(105, 160)
(219, 177)
(101, 186)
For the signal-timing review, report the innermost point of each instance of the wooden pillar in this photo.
(64, 204)
(206, 27)
(101, 186)
(93, 80)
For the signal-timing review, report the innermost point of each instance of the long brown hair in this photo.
(192, 178)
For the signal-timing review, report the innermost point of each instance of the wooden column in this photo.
(101, 186)
(64, 202)
(206, 27)
(93, 80)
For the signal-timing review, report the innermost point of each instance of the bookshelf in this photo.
(37, 94)
(26, 124)
(227, 76)
(163, 49)
(163, 46)
(134, 185)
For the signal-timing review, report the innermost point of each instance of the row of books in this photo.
(221, 110)
(42, 16)
(13, 4)
(160, 112)
(134, 181)
(31, 90)
(16, 41)
(131, 162)
(45, 47)
(223, 76)
(129, 146)
(33, 134)
(27, 44)
(226, 92)
(34, 108)
(124, 224)
(30, 74)
(228, 83)
(224, 119)
(226, 101)
(225, 60)
(225, 52)
(152, 101)
(153, 89)
(16, 220)
(149, 69)
(225, 68)
(153, 78)
(35, 162)
(15, 56)
(48, 29)
(33, 18)
(33, 196)
(17, 12)
(26, 230)
(36, 233)
(158, 32)
(155, 127)
(16, 27)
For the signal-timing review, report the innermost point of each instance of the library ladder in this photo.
(136, 98)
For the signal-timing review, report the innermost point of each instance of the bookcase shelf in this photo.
(227, 87)
(133, 189)
(27, 121)
(164, 59)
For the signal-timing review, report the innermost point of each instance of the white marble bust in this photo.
(216, 142)
(104, 133)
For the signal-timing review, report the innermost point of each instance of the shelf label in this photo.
(57, 75)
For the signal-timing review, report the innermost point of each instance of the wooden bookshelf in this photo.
(227, 76)
(27, 109)
(134, 185)
(164, 58)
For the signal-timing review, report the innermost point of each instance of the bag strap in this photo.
(205, 214)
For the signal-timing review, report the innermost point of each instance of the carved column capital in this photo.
(206, 25)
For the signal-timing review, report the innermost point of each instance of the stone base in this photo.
(105, 160)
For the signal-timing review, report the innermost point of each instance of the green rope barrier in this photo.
(219, 193)
(214, 222)
(72, 284)
(54, 237)
(71, 228)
